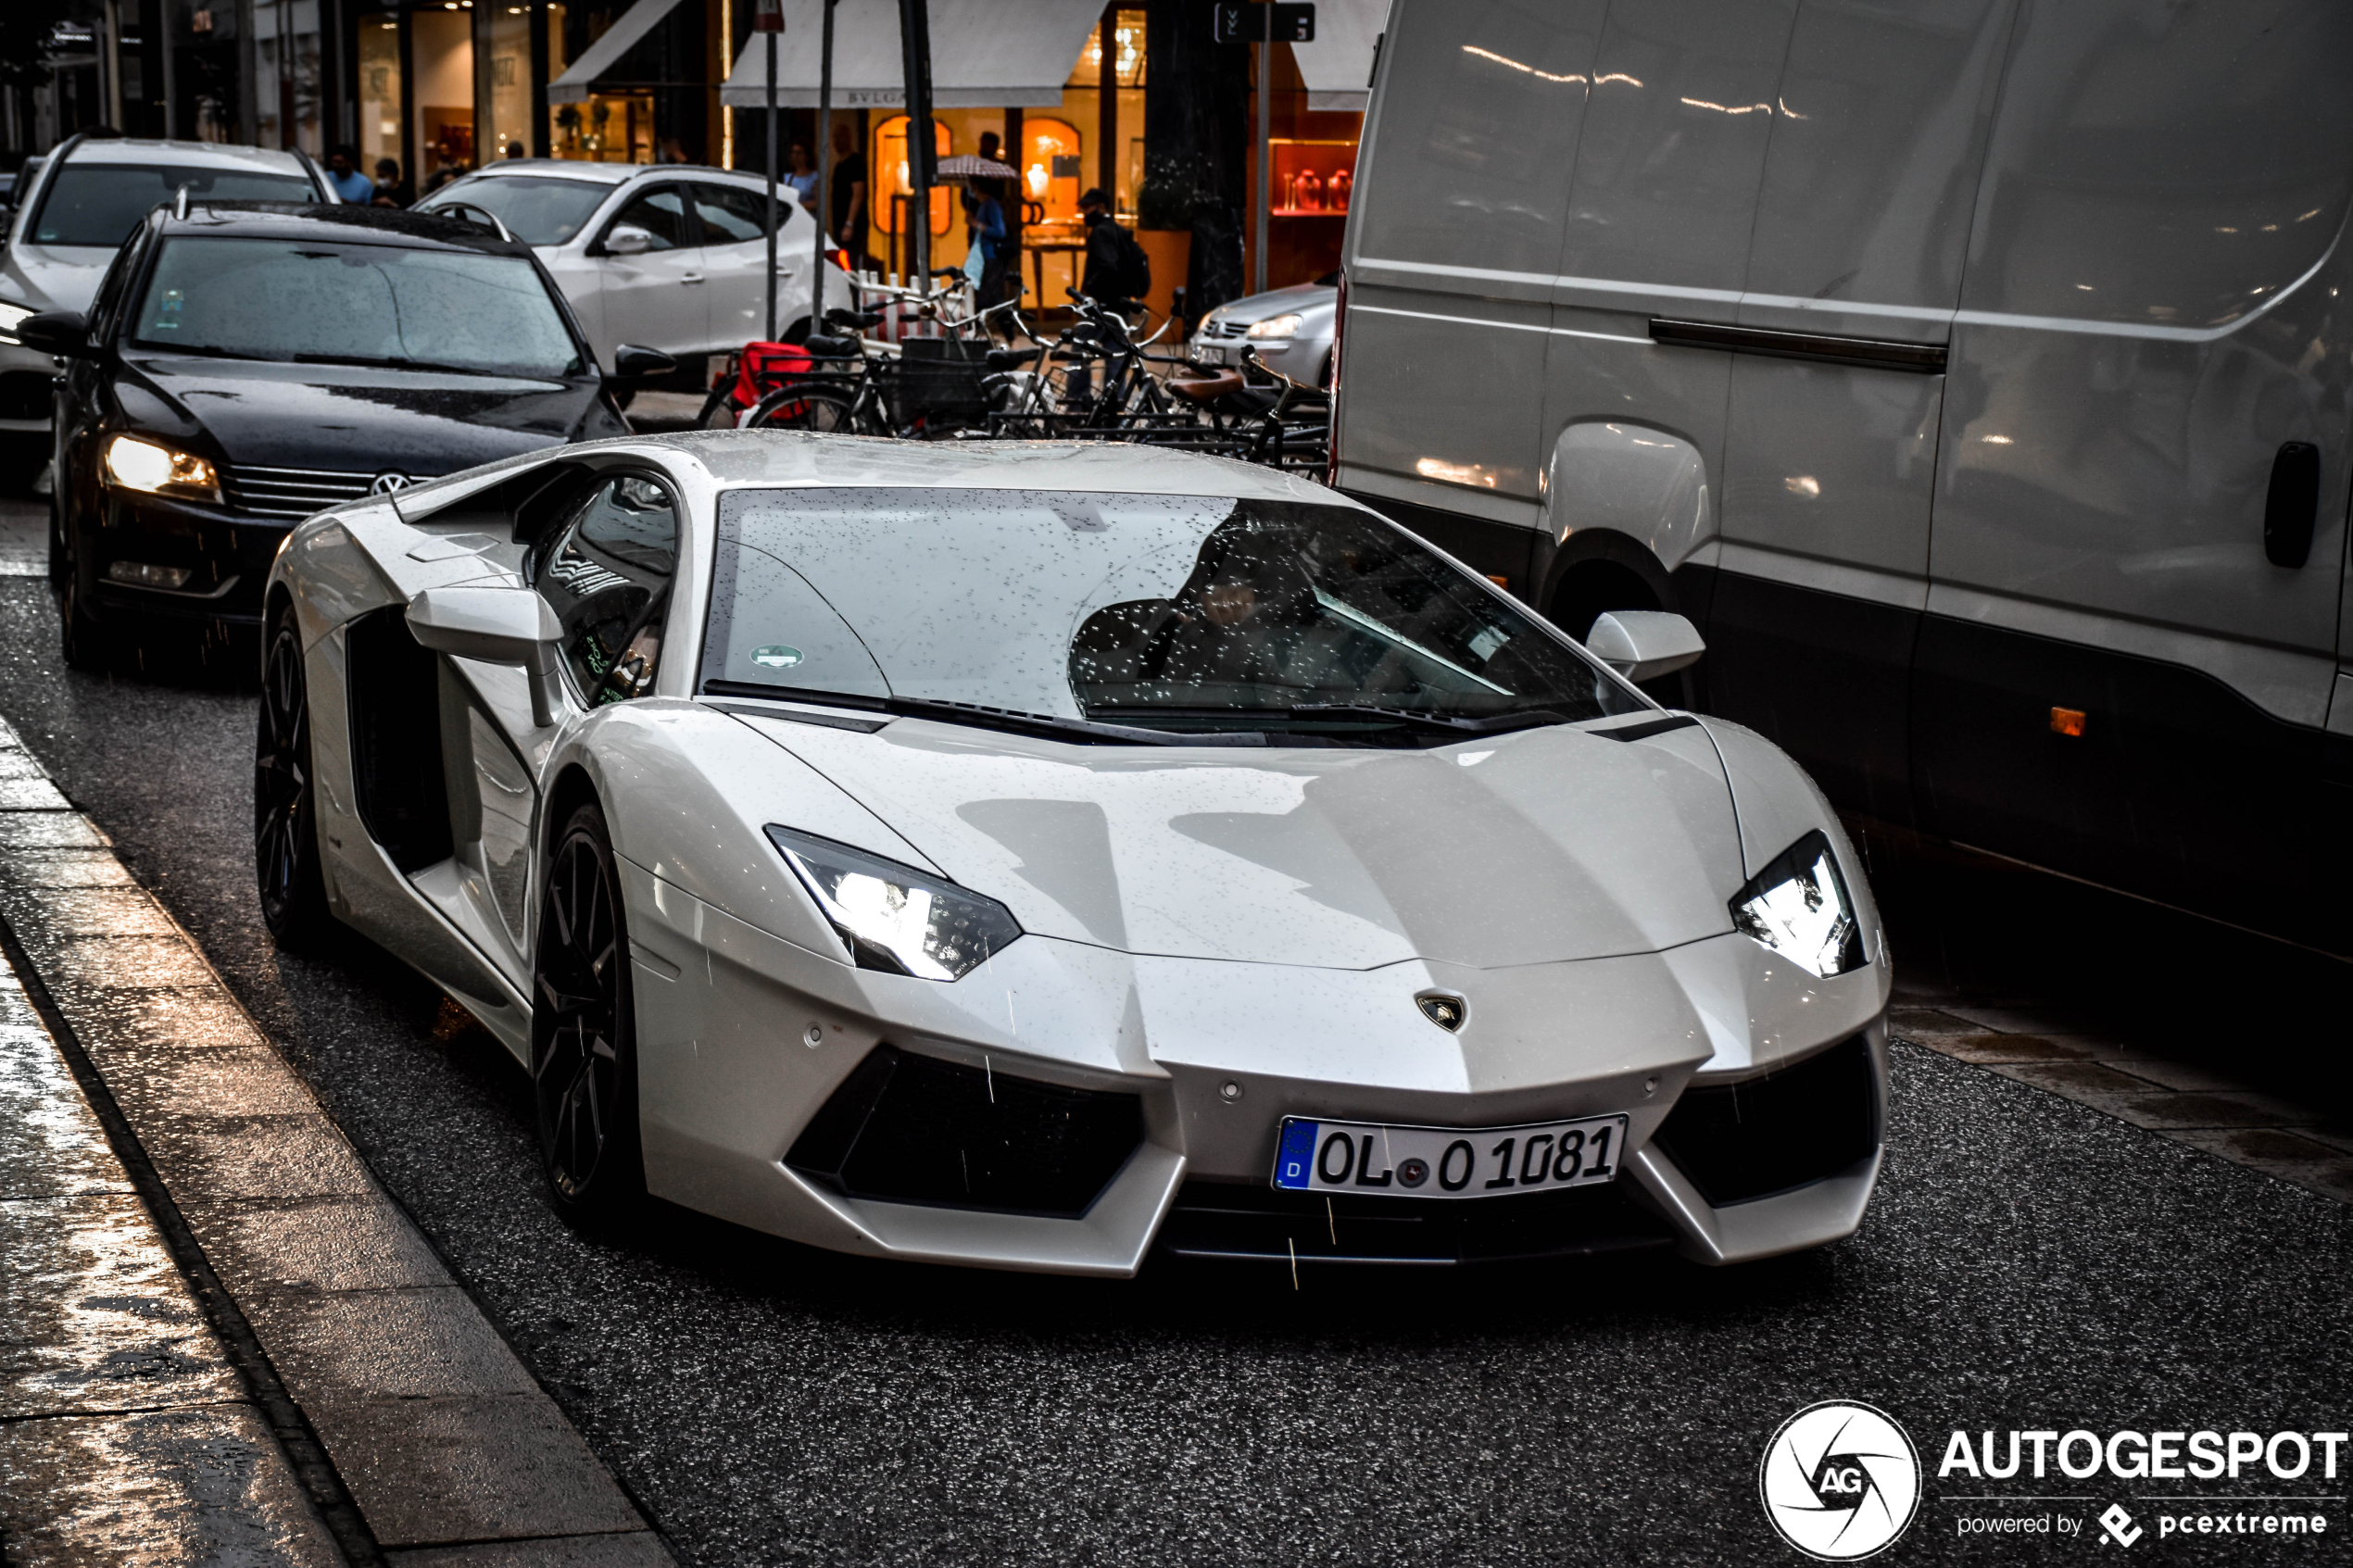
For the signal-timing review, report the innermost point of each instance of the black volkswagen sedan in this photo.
(244, 366)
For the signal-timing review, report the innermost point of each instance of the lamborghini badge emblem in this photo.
(1441, 1009)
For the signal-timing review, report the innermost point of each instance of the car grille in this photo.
(1752, 1139)
(295, 493)
(1225, 329)
(913, 1129)
(1232, 1220)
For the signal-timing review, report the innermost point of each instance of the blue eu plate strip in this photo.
(1298, 1150)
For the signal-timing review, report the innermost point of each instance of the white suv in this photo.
(78, 210)
(668, 255)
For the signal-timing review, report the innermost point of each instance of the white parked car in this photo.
(1290, 328)
(1026, 855)
(72, 216)
(666, 256)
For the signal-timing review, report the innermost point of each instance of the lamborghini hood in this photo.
(1533, 847)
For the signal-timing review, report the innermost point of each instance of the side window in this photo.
(107, 302)
(607, 573)
(730, 215)
(662, 214)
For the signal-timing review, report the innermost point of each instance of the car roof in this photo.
(184, 155)
(374, 225)
(600, 173)
(795, 460)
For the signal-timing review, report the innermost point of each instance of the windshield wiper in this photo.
(1491, 724)
(1045, 726)
(1403, 718)
(391, 362)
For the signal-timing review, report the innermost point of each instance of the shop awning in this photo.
(985, 53)
(1339, 66)
(580, 78)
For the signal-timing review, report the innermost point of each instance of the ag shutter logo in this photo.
(1840, 1481)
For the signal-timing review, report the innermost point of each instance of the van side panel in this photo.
(1658, 225)
(1879, 131)
(2150, 312)
(1462, 183)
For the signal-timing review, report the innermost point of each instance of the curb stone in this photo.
(430, 1435)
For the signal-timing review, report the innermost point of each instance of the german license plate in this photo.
(1363, 1156)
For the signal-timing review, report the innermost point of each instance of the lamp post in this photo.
(768, 17)
(915, 45)
(824, 173)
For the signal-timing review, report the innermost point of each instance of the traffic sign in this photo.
(1246, 23)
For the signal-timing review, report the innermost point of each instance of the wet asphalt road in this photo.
(2029, 1263)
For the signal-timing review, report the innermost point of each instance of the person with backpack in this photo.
(1118, 272)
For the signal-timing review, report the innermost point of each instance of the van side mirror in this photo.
(628, 239)
(497, 626)
(1642, 645)
(65, 334)
(632, 361)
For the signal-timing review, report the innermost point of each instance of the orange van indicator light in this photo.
(2067, 720)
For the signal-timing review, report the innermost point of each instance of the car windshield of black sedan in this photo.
(338, 302)
(99, 204)
(539, 210)
(1169, 612)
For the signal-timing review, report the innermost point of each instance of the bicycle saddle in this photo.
(1209, 388)
(822, 347)
(1006, 359)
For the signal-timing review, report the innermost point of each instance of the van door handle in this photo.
(2291, 504)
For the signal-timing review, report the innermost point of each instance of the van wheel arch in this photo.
(1597, 569)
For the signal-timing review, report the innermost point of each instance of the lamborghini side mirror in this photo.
(1642, 645)
(511, 626)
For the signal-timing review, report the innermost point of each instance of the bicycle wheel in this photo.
(821, 409)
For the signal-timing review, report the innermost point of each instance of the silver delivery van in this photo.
(1974, 374)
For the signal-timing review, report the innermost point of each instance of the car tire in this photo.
(285, 826)
(81, 639)
(584, 1048)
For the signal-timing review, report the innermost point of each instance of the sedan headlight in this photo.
(1798, 905)
(138, 464)
(10, 315)
(1275, 326)
(893, 917)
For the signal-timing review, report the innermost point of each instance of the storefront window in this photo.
(286, 59)
(442, 54)
(1082, 101)
(890, 157)
(379, 94)
(507, 91)
(1050, 168)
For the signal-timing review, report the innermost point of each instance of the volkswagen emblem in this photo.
(387, 481)
(1446, 1012)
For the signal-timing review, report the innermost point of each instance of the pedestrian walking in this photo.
(343, 173)
(803, 178)
(849, 198)
(391, 189)
(985, 232)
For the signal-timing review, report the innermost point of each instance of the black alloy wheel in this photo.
(285, 826)
(584, 1056)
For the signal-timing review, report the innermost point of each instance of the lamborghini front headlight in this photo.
(893, 917)
(1798, 905)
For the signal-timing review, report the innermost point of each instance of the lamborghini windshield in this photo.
(1159, 612)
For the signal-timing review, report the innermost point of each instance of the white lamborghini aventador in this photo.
(1026, 856)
